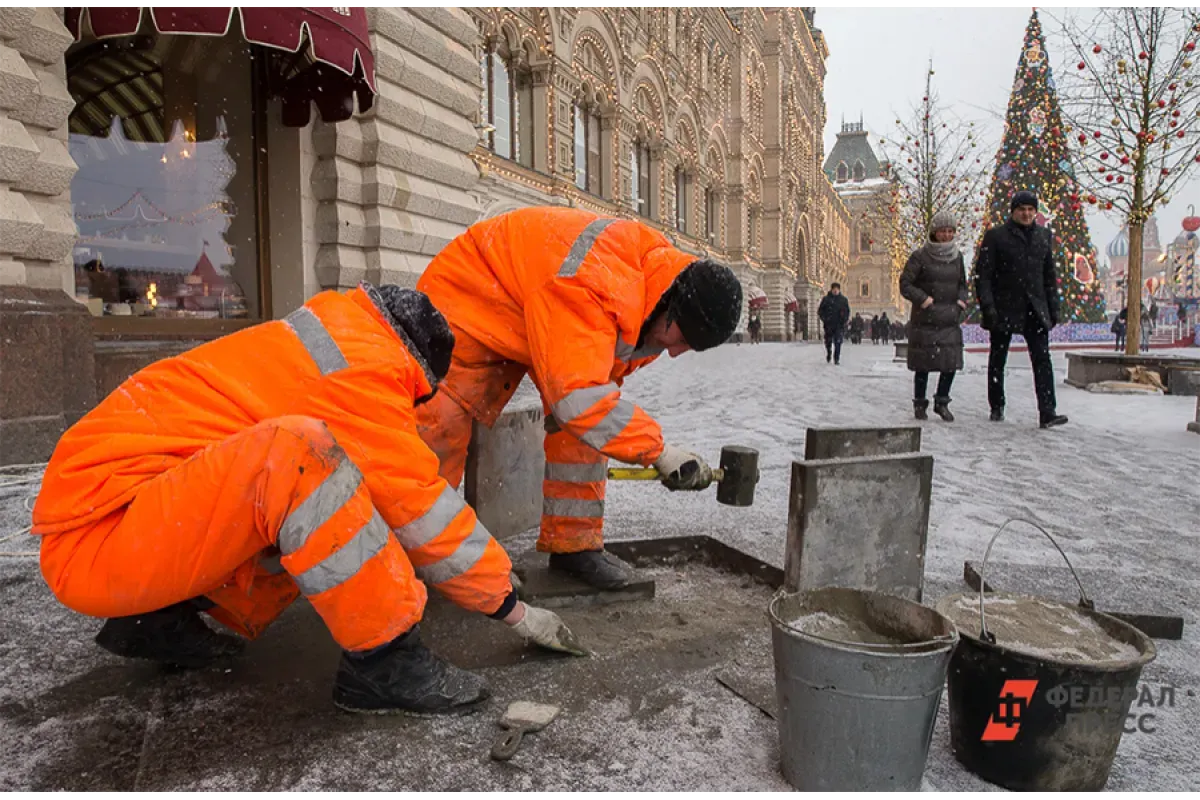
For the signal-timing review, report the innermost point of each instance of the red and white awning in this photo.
(338, 63)
(757, 297)
(790, 303)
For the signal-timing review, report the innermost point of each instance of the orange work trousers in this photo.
(251, 522)
(477, 387)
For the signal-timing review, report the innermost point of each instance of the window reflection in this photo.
(164, 196)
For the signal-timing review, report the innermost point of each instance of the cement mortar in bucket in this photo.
(858, 677)
(1039, 690)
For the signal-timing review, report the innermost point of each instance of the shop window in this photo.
(169, 195)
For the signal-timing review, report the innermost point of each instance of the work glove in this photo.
(683, 471)
(547, 629)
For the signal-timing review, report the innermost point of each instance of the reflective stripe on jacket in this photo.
(566, 293)
(336, 359)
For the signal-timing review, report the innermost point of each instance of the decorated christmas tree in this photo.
(1034, 156)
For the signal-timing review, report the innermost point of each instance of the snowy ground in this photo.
(1119, 487)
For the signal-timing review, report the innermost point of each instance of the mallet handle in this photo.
(649, 474)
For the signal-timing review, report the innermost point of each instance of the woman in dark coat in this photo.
(935, 282)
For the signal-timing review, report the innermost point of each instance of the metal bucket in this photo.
(1033, 722)
(857, 716)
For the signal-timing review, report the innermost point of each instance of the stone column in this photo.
(395, 183)
(47, 373)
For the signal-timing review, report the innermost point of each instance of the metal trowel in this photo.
(522, 717)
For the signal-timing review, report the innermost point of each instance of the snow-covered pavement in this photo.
(1119, 487)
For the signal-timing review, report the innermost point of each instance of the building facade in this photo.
(1115, 277)
(704, 123)
(158, 188)
(860, 180)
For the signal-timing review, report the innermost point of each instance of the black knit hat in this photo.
(705, 301)
(422, 326)
(1023, 198)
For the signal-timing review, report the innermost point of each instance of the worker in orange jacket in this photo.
(277, 461)
(577, 301)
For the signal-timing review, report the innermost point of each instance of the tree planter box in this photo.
(1084, 369)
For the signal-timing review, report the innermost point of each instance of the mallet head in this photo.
(740, 467)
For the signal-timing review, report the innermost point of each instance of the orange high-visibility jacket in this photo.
(336, 359)
(564, 292)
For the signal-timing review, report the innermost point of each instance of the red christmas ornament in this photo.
(1120, 179)
(1096, 49)
(1143, 56)
(1175, 124)
(1173, 86)
(1190, 46)
(1082, 65)
(1108, 206)
(1191, 223)
(1074, 197)
(1124, 159)
(1096, 134)
(1104, 156)
(1108, 178)
(1162, 103)
(1179, 135)
(1103, 169)
(1198, 159)
(1166, 171)
(1083, 138)
(1175, 113)
(1091, 198)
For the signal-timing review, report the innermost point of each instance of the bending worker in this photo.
(277, 461)
(579, 302)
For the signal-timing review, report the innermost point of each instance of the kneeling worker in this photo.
(277, 461)
(578, 302)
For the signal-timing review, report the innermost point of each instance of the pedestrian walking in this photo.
(834, 312)
(1118, 329)
(1017, 289)
(885, 328)
(935, 281)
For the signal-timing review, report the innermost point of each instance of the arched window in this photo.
(682, 186)
(860, 172)
(864, 288)
(643, 199)
(508, 107)
(589, 172)
(843, 172)
(864, 241)
(712, 219)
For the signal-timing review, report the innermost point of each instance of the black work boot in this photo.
(997, 414)
(175, 635)
(1052, 420)
(941, 407)
(404, 677)
(920, 407)
(597, 568)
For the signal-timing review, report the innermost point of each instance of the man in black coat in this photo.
(1017, 287)
(834, 312)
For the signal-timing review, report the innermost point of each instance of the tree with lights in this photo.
(1133, 101)
(940, 168)
(1034, 156)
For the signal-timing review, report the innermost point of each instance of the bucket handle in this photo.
(1084, 602)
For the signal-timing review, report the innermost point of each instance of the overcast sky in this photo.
(877, 63)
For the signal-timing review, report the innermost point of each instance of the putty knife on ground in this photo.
(522, 717)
